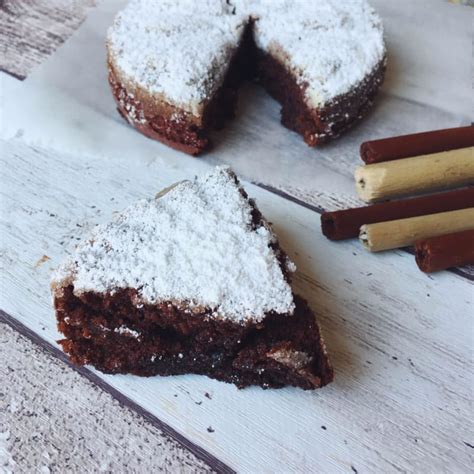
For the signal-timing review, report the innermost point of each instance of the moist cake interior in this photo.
(115, 337)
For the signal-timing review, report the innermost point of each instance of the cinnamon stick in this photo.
(340, 225)
(415, 175)
(394, 148)
(405, 232)
(445, 251)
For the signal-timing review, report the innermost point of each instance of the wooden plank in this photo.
(400, 347)
(310, 202)
(369, 321)
(30, 30)
(54, 420)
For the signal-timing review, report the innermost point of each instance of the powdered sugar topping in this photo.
(195, 244)
(330, 45)
(177, 49)
(180, 49)
(127, 331)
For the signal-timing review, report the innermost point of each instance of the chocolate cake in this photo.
(192, 281)
(175, 66)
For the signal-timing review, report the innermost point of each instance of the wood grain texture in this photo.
(164, 429)
(312, 202)
(398, 338)
(401, 351)
(30, 30)
(54, 420)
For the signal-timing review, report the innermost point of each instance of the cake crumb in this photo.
(42, 260)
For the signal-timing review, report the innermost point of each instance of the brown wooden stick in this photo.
(415, 175)
(445, 251)
(425, 143)
(345, 224)
(405, 232)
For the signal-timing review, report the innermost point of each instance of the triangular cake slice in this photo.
(192, 281)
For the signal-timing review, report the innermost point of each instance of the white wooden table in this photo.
(401, 342)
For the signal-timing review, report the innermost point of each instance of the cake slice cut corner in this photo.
(191, 281)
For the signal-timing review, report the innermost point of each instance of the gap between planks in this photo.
(200, 453)
(466, 272)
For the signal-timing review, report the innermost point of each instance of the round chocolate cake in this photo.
(175, 66)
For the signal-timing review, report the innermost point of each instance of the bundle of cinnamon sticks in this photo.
(441, 225)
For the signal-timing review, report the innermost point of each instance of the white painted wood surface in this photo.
(30, 30)
(398, 339)
(401, 341)
(54, 420)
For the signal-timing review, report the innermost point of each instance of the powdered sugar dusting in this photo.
(127, 331)
(330, 45)
(181, 48)
(195, 245)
